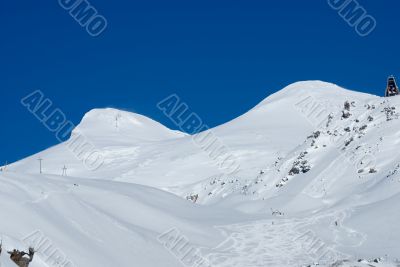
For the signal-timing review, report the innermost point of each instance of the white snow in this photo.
(331, 182)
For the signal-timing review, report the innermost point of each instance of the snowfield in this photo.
(318, 184)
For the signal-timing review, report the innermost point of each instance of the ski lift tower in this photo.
(392, 89)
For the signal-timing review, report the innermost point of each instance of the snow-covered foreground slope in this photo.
(318, 182)
(100, 223)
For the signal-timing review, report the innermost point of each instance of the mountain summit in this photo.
(118, 125)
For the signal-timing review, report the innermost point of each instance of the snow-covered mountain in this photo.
(318, 182)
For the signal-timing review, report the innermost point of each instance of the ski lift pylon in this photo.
(392, 89)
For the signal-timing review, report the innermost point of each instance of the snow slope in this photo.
(100, 223)
(318, 181)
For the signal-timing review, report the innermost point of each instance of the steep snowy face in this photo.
(108, 126)
(277, 120)
(281, 122)
(314, 139)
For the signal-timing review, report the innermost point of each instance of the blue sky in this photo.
(221, 57)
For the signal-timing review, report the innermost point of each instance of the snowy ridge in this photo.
(318, 162)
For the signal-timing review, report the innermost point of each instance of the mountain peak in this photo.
(319, 90)
(115, 124)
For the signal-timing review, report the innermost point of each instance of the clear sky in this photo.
(221, 57)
